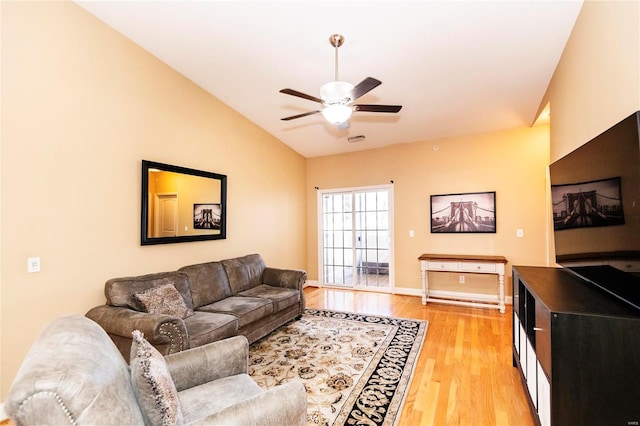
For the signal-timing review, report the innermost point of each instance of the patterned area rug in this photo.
(356, 368)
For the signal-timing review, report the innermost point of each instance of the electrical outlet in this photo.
(33, 264)
(461, 279)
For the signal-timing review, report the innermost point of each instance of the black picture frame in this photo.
(587, 204)
(187, 185)
(463, 213)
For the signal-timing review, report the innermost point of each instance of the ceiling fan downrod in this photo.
(336, 41)
(335, 93)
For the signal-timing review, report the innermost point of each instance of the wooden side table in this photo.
(471, 264)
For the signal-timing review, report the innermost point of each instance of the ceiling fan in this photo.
(337, 96)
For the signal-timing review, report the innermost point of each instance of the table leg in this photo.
(501, 304)
(425, 286)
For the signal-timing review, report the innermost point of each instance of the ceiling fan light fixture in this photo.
(337, 96)
(337, 114)
(335, 90)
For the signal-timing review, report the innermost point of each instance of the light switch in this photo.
(520, 233)
(33, 264)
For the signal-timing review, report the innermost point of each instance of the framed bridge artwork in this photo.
(473, 212)
(206, 216)
(587, 204)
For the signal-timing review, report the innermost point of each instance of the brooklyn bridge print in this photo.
(586, 204)
(464, 213)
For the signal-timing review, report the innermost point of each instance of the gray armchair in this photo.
(74, 374)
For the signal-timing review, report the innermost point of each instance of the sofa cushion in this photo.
(164, 299)
(206, 327)
(119, 291)
(212, 397)
(152, 384)
(246, 309)
(281, 297)
(244, 272)
(208, 282)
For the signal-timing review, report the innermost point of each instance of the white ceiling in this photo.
(457, 67)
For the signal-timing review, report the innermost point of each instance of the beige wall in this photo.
(512, 163)
(597, 81)
(81, 107)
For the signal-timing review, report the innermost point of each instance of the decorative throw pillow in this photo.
(164, 299)
(152, 384)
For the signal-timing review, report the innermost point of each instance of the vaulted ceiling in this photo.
(456, 67)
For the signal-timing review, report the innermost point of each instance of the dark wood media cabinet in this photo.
(577, 349)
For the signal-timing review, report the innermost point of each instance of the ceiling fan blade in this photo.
(304, 114)
(300, 95)
(363, 87)
(377, 108)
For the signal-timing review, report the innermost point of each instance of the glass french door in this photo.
(356, 238)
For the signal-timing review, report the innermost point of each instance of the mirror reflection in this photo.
(181, 204)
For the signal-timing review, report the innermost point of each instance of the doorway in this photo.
(165, 215)
(355, 238)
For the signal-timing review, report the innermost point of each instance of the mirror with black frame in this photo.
(181, 204)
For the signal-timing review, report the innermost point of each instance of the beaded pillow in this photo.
(164, 299)
(152, 384)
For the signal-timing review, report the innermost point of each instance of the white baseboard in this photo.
(455, 295)
(407, 291)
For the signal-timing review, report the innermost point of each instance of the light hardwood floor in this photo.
(464, 375)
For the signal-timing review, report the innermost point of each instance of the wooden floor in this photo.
(464, 375)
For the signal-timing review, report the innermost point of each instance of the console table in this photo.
(471, 264)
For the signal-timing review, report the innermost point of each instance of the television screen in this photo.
(595, 193)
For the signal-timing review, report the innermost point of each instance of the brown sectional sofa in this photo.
(238, 296)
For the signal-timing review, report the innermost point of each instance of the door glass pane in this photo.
(383, 240)
(346, 200)
(382, 201)
(347, 220)
(371, 200)
(382, 220)
(347, 237)
(337, 239)
(371, 222)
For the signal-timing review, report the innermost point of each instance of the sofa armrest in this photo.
(287, 278)
(157, 329)
(209, 362)
(282, 405)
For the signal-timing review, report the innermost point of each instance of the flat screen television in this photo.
(595, 193)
